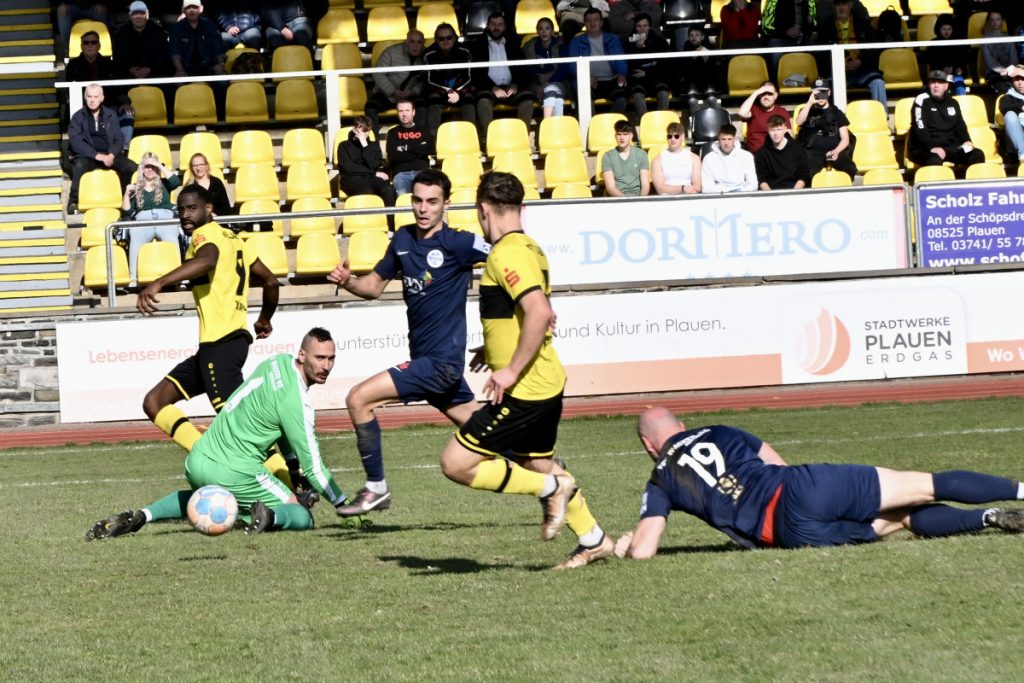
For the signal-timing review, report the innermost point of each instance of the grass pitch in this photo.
(454, 585)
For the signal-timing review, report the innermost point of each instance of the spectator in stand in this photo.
(239, 25)
(149, 199)
(727, 167)
(741, 25)
(546, 45)
(165, 12)
(90, 66)
(452, 85)
(1012, 107)
(200, 173)
(622, 15)
(362, 164)
(648, 75)
(788, 23)
(572, 14)
(196, 47)
(286, 22)
(825, 133)
(410, 146)
(95, 139)
(499, 84)
(952, 59)
(625, 168)
(757, 109)
(938, 132)
(700, 74)
(140, 46)
(782, 163)
(607, 78)
(390, 87)
(70, 11)
(998, 57)
(677, 169)
(846, 28)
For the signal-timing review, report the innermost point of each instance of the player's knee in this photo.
(355, 399)
(152, 404)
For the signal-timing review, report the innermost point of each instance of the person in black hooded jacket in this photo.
(361, 163)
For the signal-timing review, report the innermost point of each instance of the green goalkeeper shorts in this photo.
(246, 487)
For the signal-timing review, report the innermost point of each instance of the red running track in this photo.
(804, 396)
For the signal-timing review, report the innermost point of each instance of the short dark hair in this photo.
(774, 121)
(501, 190)
(404, 100)
(435, 178)
(317, 333)
(591, 10)
(548, 20)
(445, 25)
(94, 34)
(637, 18)
(727, 129)
(193, 188)
(623, 126)
(495, 15)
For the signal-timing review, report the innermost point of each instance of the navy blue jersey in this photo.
(435, 281)
(714, 473)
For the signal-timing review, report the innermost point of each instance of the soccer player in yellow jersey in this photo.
(525, 387)
(216, 265)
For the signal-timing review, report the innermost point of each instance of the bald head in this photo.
(655, 426)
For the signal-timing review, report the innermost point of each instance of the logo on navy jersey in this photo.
(435, 259)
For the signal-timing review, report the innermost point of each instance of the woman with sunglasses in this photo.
(149, 199)
(199, 173)
(677, 169)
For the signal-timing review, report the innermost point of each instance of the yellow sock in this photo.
(174, 424)
(279, 468)
(502, 476)
(577, 515)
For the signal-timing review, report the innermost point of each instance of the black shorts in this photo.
(215, 370)
(524, 428)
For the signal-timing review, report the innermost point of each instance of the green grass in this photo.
(453, 584)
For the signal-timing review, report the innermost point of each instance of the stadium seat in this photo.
(96, 222)
(901, 115)
(250, 207)
(973, 109)
(157, 144)
(291, 58)
(999, 120)
(464, 170)
(530, 194)
(1020, 171)
(559, 132)
(746, 73)
(341, 56)
(316, 254)
(976, 25)
(252, 147)
(304, 226)
(256, 181)
(207, 144)
(194, 105)
(100, 188)
(463, 219)
(931, 174)
(529, 11)
(302, 144)
(900, 69)
(507, 135)
(307, 179)
(246, 102)
(926, 26)
(156, 259)
(572, 191)
(387, 22)
(826, 178)
(351, 95)
(269, 249)
(149, 105)
(874, 150)
(652, 128)
(792, 64)
(83, 26)
(404, 201)
(365, 249)
(232, 55)
(457, 137)
(519, 164)
(382, 45)
(95, 276)
(601, 131)
(433, 13)
(984, 171)
(563, 166)
(919, 7)
(716, 9)
(867, 116)
(337, 26)
(295, 100)
(876, 7)
(984, 138)
(883, 176)
(353, 224)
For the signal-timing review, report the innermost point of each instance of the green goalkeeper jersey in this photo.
(272, 406)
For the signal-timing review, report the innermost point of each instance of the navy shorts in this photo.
(435, 381)
(824, 505)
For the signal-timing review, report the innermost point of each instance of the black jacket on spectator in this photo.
(480, 54)
(936, 123)
(83, 132)
(782, 168)
(409, 149)
(147, 47)
(456, 77)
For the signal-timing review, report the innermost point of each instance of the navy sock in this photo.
(370, 449)
(931, 521)
(962, 486)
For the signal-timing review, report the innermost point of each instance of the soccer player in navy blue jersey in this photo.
(738, 484)
(435, 263)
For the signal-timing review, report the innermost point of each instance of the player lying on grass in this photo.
(272, 406)
(738, 484)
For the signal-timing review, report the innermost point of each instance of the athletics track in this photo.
(847, 394)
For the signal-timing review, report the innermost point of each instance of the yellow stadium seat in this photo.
(387, 22)
(246, 102)
(302, 144)
(457, 137)
(984, 171)
(876, 7)
(530, 194)
(826, 178)
(867, 116)
(341, 56)
(269, 249)
(96, 222)
(984, 138)
(601, 131)
(507, 135)
(149, 105)
(572, 191)
(304, 226)
(519, 164)
(653, 125)
(976, 25)
(900, 69)
(926, 26)
(901, 115)
(250, 207)
(746, 73)
(232, 55)
(353, 224)
(463, 219)
(1020, 171)
(563, 166)
(295, 100)
(365, 249)
(290, 58)
(433, 13)
(464, 170)
(100, 188)
(337, 26)
(1000, 121)
(883, 176)
(351, 95)
(316, 253)
(874, 150)
(157, 144)
(919, 7)
(83, 26)
(404, 201)
(156, 259)
(559, 132)
(194, 105)
(973, 109)
(95, 276)
(307, 179)
(379, 47)
(207, 144)
(256, 181)
(793, 63)
(529, 11)
(930, 174)
(251, 147)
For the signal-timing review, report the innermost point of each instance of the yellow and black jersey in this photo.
(221, 294)
(515, 267)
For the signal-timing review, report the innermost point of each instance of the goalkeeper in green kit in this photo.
(272, 406)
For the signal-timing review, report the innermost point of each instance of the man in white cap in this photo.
(140, 46)
(196, 46)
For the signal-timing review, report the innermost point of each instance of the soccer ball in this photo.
(212, 510)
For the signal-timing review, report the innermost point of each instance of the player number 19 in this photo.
(702, 456)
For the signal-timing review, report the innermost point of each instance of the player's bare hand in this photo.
(497, 383)
(553, 325)
(341, 274)
(147, 299)
(477, 363)
(622, 545)
(263, 328)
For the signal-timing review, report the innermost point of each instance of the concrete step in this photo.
(29, 112)
(28, 287)
(35, 97)
(31, 225)
(25, 32)
(39, 270)
(15, 147)
(40, 129)
(36, 304)
(35, 217)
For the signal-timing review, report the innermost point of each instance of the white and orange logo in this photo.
(824, 344)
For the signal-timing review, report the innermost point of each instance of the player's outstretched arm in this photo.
(769, 455)
(642, 542)
(204, 262)
(260, 275)
(369, 286)
(537, 317)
